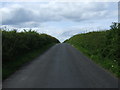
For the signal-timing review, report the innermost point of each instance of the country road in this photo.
(62, 66)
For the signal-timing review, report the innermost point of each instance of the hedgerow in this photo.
(15, 44)
(101, 46)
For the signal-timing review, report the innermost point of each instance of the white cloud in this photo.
(18, 13)
(75, 17)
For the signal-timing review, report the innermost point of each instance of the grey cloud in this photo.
(18, 16)
(53, 12)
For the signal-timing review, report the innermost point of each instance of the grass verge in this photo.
(12, 66)
(110, 65)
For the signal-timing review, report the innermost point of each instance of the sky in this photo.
(59, 19)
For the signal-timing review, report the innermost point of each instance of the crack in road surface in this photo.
(62, 66)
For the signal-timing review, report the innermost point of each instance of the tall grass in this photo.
(101, 46)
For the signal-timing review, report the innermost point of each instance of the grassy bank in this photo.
(19, 48)
(102, 47)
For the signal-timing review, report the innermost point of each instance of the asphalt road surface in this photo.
(62, 66)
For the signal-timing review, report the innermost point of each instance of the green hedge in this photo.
(16, 44)
(101, 46)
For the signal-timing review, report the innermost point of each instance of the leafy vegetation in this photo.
(101, 46)
(21, 47)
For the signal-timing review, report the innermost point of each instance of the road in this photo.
(62, 66)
